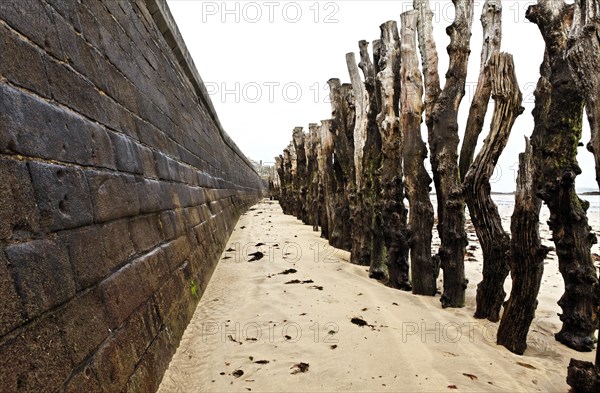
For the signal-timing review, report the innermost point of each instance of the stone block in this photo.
(126, 153)
(114, 196)
(36, 360)
(151, 196)
(42, 274)
(88, 258)
(145, 232)
(84, 324)
(117, 358)
(61, 196)
(10, 312)
(26, 65)
(116, 240)
(18, 212)
(148, 162)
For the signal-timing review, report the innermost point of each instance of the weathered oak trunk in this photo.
(443, 143)
(583, 56)
(312, 169)
(527, 259)
(431, 77)
(418, 183)
(361, 237)
(392, 186)
(491, 20)
(495, 242)
(322, 187)
(584, 377)
(287, 203)
(328, 178)
(342, 128)
(279, 166)
(300, 178)
(558, 127)
(372, 163)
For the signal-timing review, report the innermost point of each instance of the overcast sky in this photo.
(266, 64)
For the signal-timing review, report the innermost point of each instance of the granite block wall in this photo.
(118, 192)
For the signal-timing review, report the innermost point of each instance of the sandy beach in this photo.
(302, 318)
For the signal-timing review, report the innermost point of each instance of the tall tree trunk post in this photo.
(300, 181)
(372, 162)
(392, 185)
(287, 181)
(555, 139)
(360, 233)
(322, 187)
(527, 259)
(418, 183)
(312, 166)
(495, 242)
(443, 143)
(491, 21)
(342, 105)
(280, 171)
(583, 56)
(329, 185)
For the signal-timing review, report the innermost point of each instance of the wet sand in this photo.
(300, 317)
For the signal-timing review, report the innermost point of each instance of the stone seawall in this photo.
(119, 190)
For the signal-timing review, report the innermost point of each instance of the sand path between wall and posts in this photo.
(302, 318)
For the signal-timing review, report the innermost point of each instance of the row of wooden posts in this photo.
(349, 175)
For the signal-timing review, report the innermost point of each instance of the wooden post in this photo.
(444, 140)
(527, 259)
(326, 163)
(372, 218)
(495, 242)
(491, 20)
(394, 226)
(583, 57)
(558, 125)
(312, 168)
(418, 183)
(300, 182)
(360, 234)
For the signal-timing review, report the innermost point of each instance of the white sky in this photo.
(266, 64)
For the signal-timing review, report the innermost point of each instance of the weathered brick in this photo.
(84, 380)
(88, 258)
(33, 19)
(35, 360)
(192, 216)
(16, 52)
(148, 161)
(126, 153)
(151, 196)
(122, 293)
(150, 135)
(117, 242)
(130, 286)
(116, 359)
(84, 324)
(18, 212)
(184, 194)
(176, 252)
(10, 312)
(114, 196)
(33, 127)
(149, 373)
(145, 232)
(42, 274)
(164, 167)
(61, 195)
